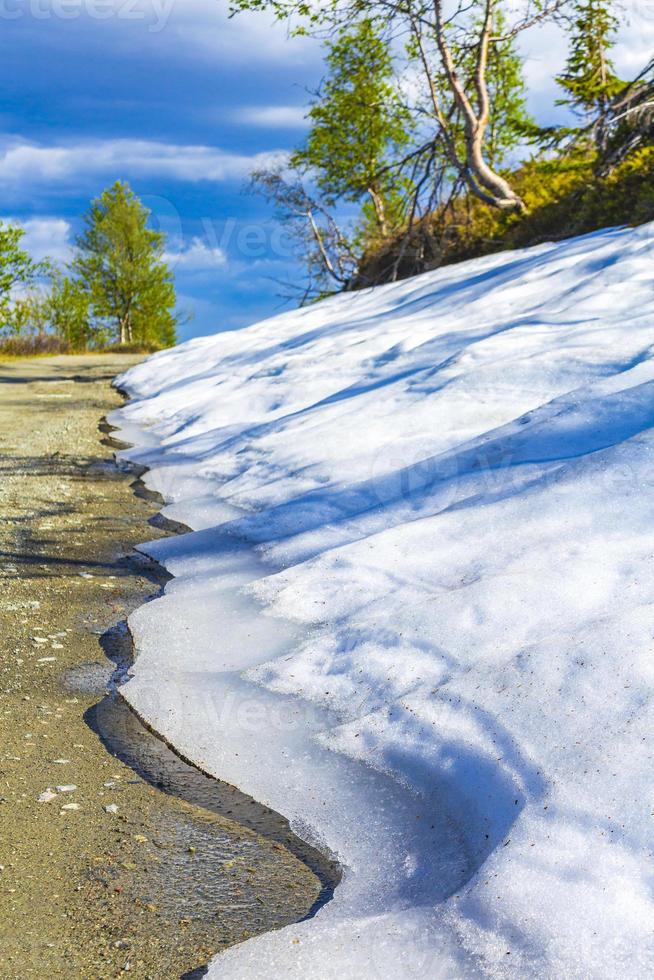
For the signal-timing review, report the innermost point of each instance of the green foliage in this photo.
(509, 123)
(118, 287)
(368, 231)
(565, 197)
(509, 120)
(302, 12)
(68, 308)
(573, 200)
(589, 79)
(26, 315)
(17, 270)
(120, 265)
(358, 123)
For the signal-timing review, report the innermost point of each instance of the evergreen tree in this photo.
(356, 123)
(589, 79)
(120, 264)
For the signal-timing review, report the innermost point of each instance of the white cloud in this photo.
(545, 49)
(45, 237)
(23, 162)
(52, 238)
(274, 116)
(252, 37)
(201, 26)
(635, 40)
(197, 256)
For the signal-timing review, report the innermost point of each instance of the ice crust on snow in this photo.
(415, 613)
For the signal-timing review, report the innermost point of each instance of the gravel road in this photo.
(101, 873)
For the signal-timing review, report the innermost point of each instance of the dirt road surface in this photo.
(101, 873)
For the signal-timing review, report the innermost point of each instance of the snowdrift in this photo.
(416, 610)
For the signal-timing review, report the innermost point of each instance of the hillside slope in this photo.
(416, 613)
(564, 198)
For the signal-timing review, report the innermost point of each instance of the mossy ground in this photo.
(563, 197)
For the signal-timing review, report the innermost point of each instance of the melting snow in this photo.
(416, 610)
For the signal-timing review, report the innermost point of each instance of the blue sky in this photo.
(182, 102)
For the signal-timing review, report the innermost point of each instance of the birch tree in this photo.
(442, 39)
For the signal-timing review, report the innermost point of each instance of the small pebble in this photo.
(111, 808)
(46, 796)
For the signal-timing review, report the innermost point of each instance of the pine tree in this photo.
(120, 264)
(356, 123)
(589, 79)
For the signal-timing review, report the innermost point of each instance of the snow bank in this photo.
(416, 612)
